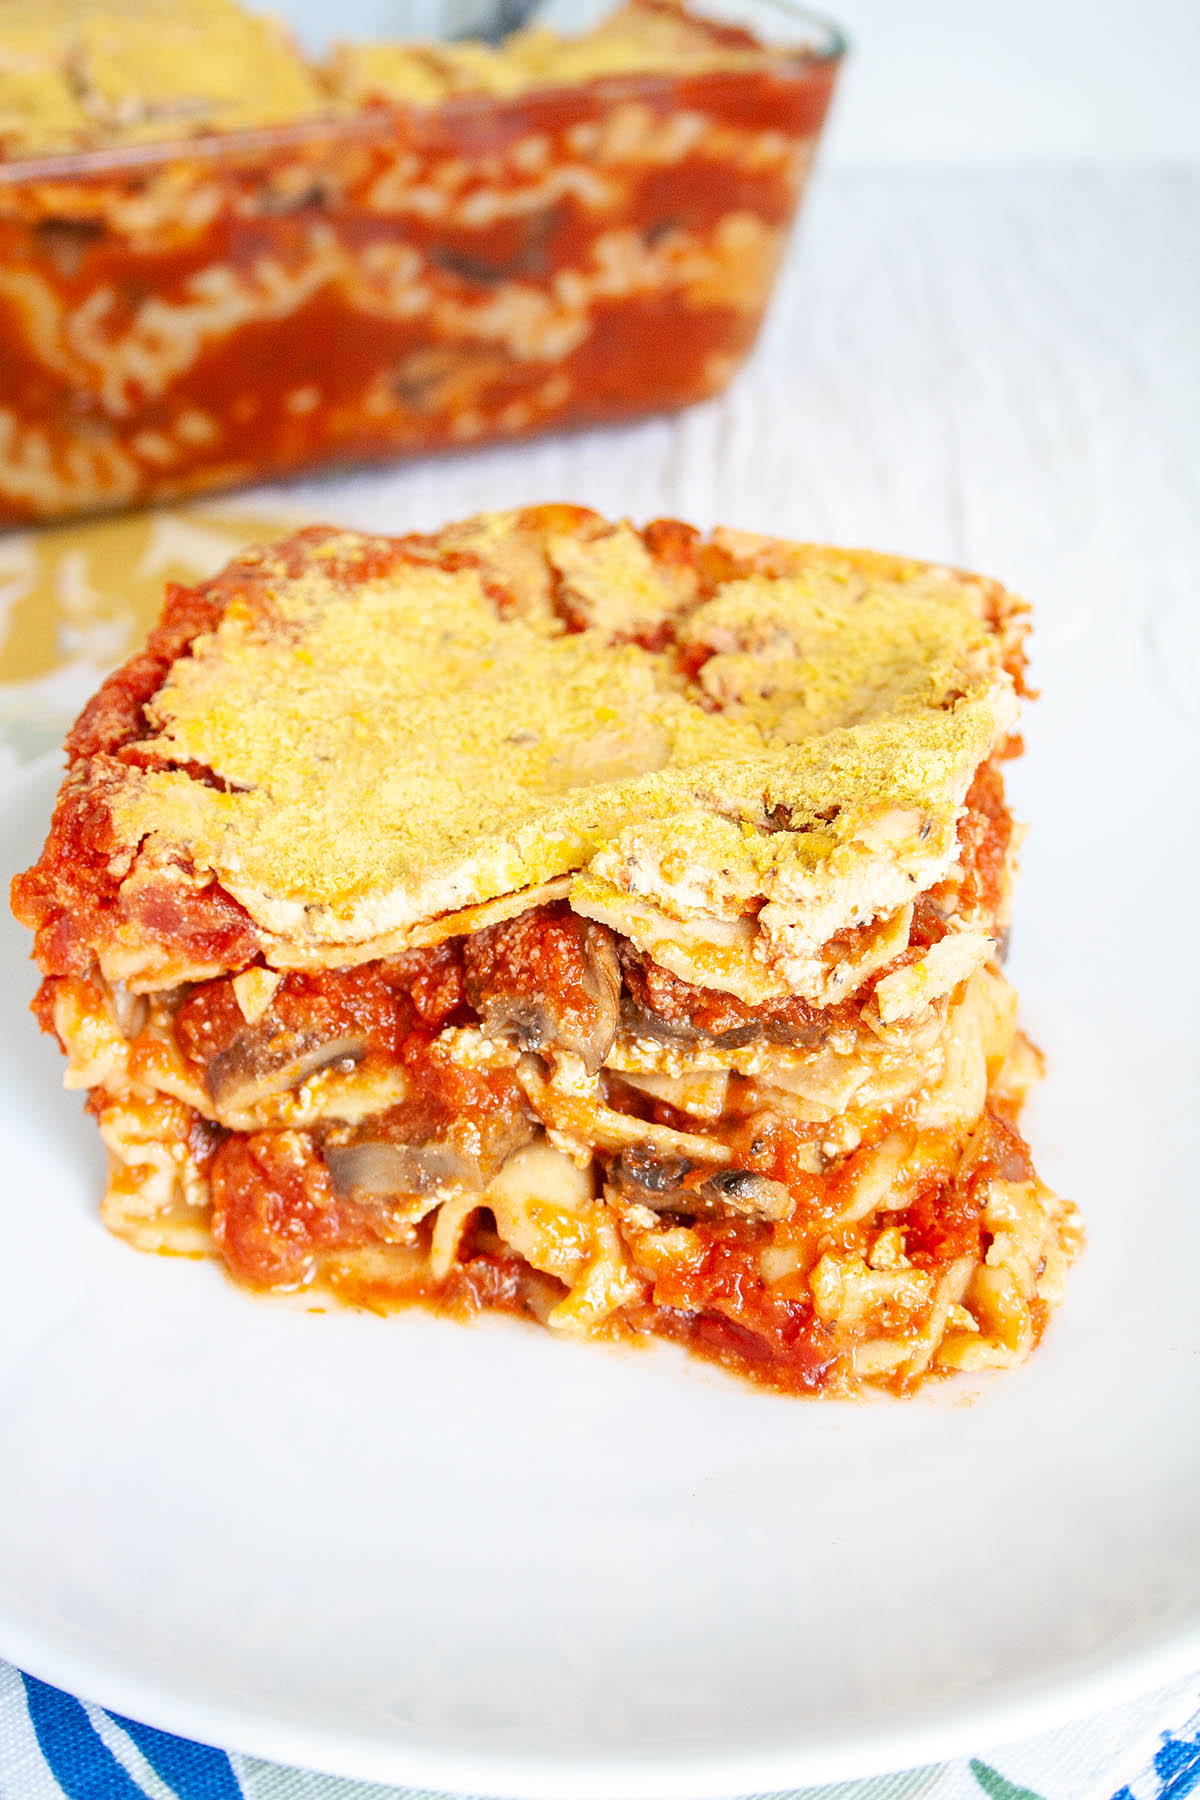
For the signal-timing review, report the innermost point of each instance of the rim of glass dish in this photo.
(834, 41)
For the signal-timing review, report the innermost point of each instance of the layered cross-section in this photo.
(597, 924)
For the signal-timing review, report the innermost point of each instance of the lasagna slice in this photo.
(596, 924)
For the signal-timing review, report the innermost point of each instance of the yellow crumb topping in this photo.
(73, 72)
(634, 40)
(386, 751)
(38, 104)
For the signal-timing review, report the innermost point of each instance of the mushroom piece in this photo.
(269, 1058)
(640, 1022)
(751, 1195)
(378, 1166)
(660, 1184)
(546, 980)
(778, 1024)
(663, 1008)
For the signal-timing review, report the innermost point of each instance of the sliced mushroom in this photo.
(778, 1024)
(269, 1058)
(463, 1155)
(649, 1179)
(743, 1191)
(546, 980)
(66, 242)
(639, 1022)
(660, 1184)
(376, 1168)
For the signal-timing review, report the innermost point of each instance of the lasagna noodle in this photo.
(688, 1020)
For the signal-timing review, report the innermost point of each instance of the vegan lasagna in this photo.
(597, 924)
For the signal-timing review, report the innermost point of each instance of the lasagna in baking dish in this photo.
(220, 262)
(595, 924)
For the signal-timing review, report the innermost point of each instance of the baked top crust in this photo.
(640, 38)
(361, 741)
(74, 73)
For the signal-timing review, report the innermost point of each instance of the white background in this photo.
(967, 81)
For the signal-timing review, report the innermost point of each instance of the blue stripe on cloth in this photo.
(1177, 1766)
(79, 1759)
(193, 1770)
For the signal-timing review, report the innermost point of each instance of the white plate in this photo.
(481, 1559)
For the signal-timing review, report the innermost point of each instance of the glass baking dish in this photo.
(187, 316)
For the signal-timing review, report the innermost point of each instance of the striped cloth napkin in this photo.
(53, 1747)
(73, 602)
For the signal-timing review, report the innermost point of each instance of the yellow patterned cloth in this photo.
(77, 599)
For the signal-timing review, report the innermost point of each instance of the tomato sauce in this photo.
(274, 1209)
